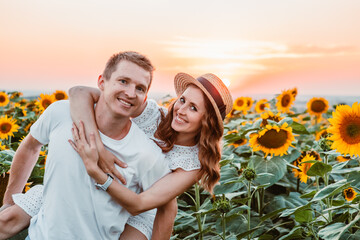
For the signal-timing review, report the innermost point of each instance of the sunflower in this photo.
(317, 106)
(60, 95)
(4, 99)
(27, 186)
(239, 142)
(321, 134)
(2, 147)
(342, 158)
(15, 95)
(44, 101)
(249, 102)
(240, 104)
(8, 127)
(304, 167)
(296, 163)
(269, 115)
(350, 194)
(345, 129)
(23, 110)
(231, 114)
(294, 92)
(166, 102)
(273, 140)
(27, 127)
(284, 101)
(261, 105)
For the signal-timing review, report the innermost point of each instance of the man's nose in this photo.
(131, 92)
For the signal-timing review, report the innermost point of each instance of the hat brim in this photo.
(181, 83)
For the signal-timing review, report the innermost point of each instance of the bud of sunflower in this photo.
(325, 144)
(222, 205)
(249, 174)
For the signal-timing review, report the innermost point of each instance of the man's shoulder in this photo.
(62, 105)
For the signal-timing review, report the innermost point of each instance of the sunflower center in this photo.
(2, 99)
(240, 102)
(350, 131)
(273, 139)
(349, 193)
(240, 141)
(59, 96)
(318, 106)
(315, 155)
(46, 103)
(285, 101)
(5, 127)
(262, 107)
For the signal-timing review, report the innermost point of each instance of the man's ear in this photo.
(100, 83)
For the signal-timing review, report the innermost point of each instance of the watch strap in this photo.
(106, 185)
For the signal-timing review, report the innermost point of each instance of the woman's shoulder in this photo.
(149, 119)
(184, 157)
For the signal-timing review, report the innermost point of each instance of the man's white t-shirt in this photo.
(72, 206)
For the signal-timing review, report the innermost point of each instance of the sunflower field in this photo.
(285, 174)
(17, 114)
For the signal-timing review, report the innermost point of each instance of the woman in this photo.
(189, 136)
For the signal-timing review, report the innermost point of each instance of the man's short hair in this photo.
(130, 56)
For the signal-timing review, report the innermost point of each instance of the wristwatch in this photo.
(106, 184)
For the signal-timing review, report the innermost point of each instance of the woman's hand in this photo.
(107, 162)
(87, 150)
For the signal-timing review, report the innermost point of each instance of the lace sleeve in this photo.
(149, 118)
(31, 201)
(186, 158)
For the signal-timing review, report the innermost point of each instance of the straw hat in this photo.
(214, 89)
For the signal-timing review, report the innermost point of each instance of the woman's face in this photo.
(189, 109)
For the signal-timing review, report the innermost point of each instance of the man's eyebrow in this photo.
(123, 77)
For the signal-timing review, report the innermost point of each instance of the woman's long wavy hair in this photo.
(208, 139)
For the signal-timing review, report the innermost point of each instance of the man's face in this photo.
(126, 89)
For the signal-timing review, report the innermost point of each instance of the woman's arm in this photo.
(82, 100)
(157, 195)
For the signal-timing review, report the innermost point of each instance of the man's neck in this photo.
(115, 127)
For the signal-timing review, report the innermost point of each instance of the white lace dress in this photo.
(186, 158)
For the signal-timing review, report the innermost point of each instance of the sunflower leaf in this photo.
(273, 169)
(319, 169)
(336, 230)
(304, 215)
(298, 128)
(331, 190)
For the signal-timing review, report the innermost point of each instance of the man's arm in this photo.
(22, 165)
(164, 221)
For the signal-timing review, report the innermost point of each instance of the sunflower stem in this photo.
(197, 207)
(317, 183)
(223, 220)
(249, 205)
(326, 180)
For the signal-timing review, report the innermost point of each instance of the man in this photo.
(73, 207)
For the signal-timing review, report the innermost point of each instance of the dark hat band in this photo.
(215, 95)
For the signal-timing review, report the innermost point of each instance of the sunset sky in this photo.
(258, 47)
